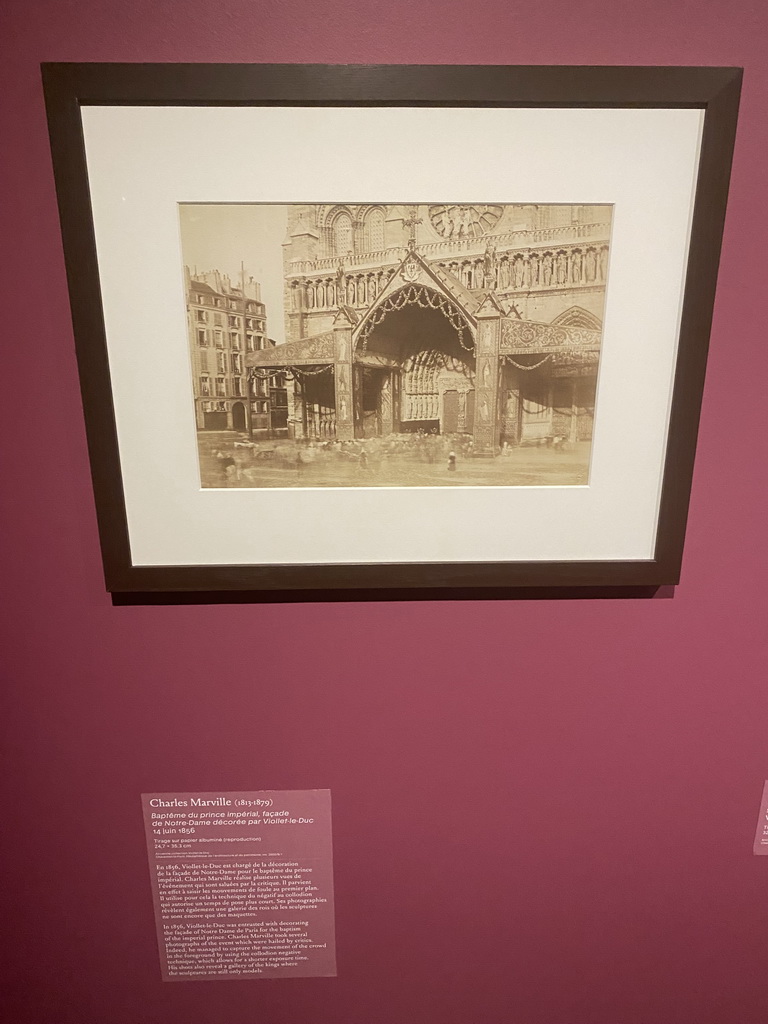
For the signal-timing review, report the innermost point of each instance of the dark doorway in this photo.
(238, 416)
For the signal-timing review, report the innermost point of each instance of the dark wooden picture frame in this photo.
(69, 87)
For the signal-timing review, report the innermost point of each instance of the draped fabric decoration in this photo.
(425, 298)
(291, 372)
(520, 366)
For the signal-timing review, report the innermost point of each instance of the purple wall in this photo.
(543, 811)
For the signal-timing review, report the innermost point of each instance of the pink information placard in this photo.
(242, 883)
(761, 834)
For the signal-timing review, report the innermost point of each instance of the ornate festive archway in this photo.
(424, 297)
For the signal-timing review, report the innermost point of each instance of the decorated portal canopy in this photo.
(318, 349)
(521, 337)
(418, 283)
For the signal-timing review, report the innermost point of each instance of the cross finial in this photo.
(410, 222)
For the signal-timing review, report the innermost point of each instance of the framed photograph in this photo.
(391, 328)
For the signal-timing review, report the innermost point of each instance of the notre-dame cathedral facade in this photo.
(456, 318)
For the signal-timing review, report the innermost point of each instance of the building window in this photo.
(202, 316)
(237, 363)
(201, 299)
(221, 362)
(238, 385)
(249, 343)
(217, 319)
(205, 385)
(218, 339)
(202, 337)
(221, 389)
(374, 230)
(234, 340)
(342, 234)
(218, 303)
(234, 321)
(232, 304)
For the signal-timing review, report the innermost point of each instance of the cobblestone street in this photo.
(228, 459)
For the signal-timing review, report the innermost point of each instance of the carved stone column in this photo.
(573, 433)
(486, 428)
(386, 406)
(343, 377)
(510, 412)
(357, 400)
(397, 400)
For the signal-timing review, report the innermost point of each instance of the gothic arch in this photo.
(577, 316)
(326, 214)
(373, 225)
(363, 211)
(339, 230)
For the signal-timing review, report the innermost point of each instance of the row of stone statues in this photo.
(523, 271)
(329, 293)
(509, 272)
(421, 407)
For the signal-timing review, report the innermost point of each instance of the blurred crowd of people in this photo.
(367, 455)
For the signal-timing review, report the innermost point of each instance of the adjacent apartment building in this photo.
(226, 322)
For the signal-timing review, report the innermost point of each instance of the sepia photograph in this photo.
(360, 345)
